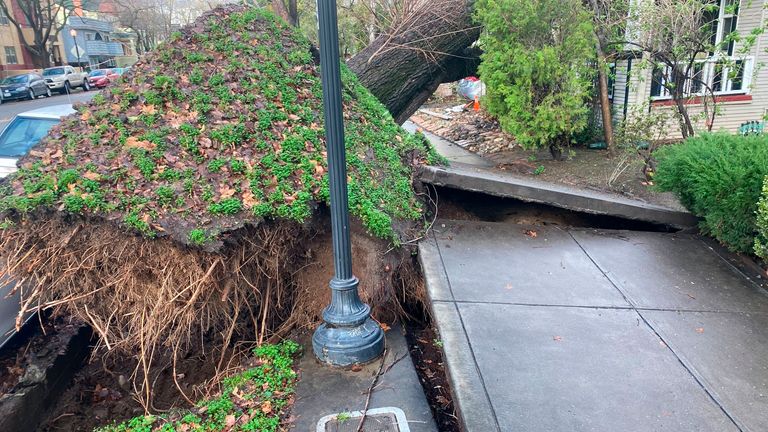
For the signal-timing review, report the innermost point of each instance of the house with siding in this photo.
(741, 94)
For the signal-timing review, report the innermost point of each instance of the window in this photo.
(10, 56)
(22, 134)
(723, 23)
(658, 78)
(4, 18)
(611, 80)
(723, 77)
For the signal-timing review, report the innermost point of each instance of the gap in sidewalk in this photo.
(475, 206)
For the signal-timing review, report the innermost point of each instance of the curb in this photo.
(472, 404)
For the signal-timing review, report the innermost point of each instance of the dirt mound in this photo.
(182, 208)
(220, 127)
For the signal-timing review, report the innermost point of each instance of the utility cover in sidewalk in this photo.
(388, 419)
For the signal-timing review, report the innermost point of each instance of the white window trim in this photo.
(709, 75)
(722, 16)
(15, 55)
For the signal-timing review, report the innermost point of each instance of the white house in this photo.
(741, 95)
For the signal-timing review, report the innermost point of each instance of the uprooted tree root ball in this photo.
(185, 206)
(157, 301)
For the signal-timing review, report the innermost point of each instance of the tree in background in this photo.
(679, 40)
(45, 18)
(535, 63)
(153, 21)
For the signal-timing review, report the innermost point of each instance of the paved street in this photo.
(559, 329)
(9, 109)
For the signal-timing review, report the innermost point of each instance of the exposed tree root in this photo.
(157, 300)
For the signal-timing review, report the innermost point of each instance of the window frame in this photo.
(10, 51)
(709, 72)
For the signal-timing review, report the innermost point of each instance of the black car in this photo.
(25, 86)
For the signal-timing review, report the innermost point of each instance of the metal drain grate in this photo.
(387, 419)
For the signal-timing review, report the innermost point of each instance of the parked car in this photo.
(64, 78)
(101, 78)
(26, 130)
(21, 134)
(25, 86)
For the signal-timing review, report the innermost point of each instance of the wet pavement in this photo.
(331, 399)
(564, 329)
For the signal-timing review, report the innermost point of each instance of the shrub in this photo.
(718, 177)
(538, 79)
(761, 242)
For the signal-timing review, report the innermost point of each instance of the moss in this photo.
(238, 134)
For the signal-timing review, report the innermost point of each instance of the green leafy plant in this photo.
(761, 240)
(537, 78)
(718, 177)
(198, 236)
(228, 206)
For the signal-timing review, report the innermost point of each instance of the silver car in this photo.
(26, 130)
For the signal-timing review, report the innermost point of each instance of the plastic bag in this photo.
(470, 87)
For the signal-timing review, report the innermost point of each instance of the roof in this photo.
(49, 112)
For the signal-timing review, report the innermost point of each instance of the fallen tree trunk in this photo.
(430, 46)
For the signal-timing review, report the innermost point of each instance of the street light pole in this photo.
(73, 33)
(348, 335)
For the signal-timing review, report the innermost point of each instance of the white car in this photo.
(64, 78)
(21, 134)
(26, 130)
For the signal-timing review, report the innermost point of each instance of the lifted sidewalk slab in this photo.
(492, 182)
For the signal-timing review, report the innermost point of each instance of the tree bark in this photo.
(404, 66)
(605, 103)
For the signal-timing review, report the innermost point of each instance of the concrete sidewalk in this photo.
(551, 329)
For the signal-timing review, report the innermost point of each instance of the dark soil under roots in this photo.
(102, 392)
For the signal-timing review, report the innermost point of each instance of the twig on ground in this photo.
(370, 391)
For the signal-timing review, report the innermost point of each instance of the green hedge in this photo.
(761, 242)
(718, 177)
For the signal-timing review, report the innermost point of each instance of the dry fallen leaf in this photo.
(249, 199)
(531, 233)
(356, 368)
(557, 338)
(700, 330)
(266, 407)
(133, 142)
(90, 175)
(226, 191)
(148, 109)
(230, 420)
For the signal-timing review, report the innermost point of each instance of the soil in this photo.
(463, 205)
(426, 352)
(33, 341)
(101, 392)
(620, 173)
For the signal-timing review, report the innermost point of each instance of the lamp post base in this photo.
(345, 346)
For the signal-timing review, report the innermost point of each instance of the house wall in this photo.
(9, 37)
(733, 109)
